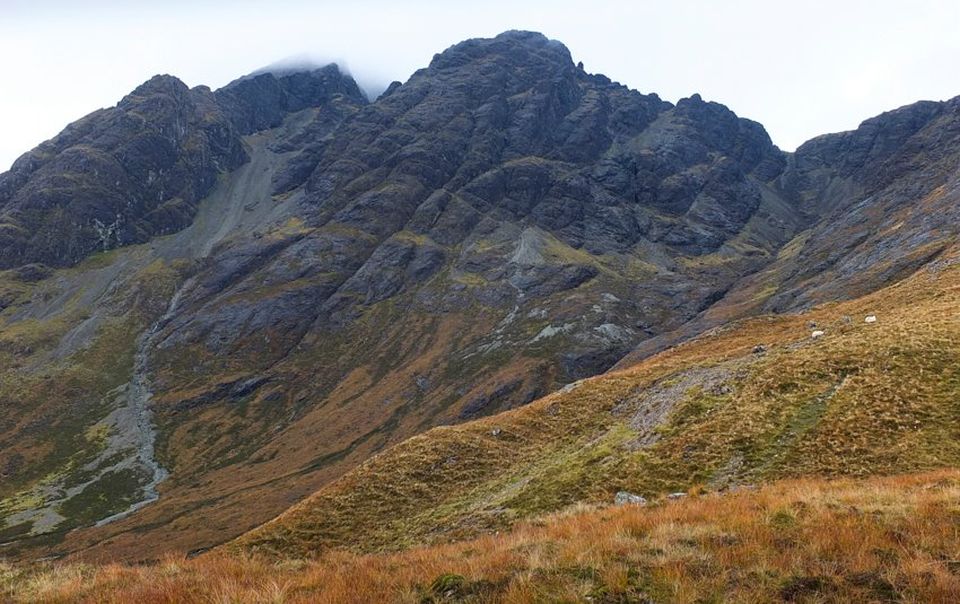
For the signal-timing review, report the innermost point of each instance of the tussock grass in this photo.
(865, 399)
(802, 540)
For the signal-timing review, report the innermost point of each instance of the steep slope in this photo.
(501, 224)
(877, 540)
(497, 226)
(755, 401)
(125, 174)
(880, 201)
(262, 100)
(493, 183)
(77, 441)
(77, 444)
(118, 176)
(888, 196)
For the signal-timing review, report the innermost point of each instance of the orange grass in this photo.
(866, 399)
(805, 540)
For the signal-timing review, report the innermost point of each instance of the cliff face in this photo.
(885, 197)
(123, 175)
(116, 177)
(321, 277)
(872, 206)
(504, 176)
(262, 100)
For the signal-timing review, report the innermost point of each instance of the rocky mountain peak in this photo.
(740, 138)
(117, 176)
(158, 84)
(520, 47)
(261, 100)
(871, 144)
(508, 64)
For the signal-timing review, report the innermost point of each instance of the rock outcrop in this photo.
(263, 99)
(116, 177)
(123, 175)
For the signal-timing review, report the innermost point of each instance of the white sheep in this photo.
(818, 334)
(870, 319)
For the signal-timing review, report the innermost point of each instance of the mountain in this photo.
(262, 100)
(116, 177)
(886, 195)
(309, 279)
(757, 401)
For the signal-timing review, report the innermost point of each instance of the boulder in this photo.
(626, 498)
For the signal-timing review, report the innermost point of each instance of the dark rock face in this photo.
(504, 167)
(307, 145)
(262, 100)
(866, 153)
(886, 197)
(873, 204)
(508, 130)
(123, 175)
(117, 176)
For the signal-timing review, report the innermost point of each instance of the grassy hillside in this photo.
(758, 400)
(59, 386)
(804, 540)
(517, 506)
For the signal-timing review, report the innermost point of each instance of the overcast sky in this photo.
(800, 68)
